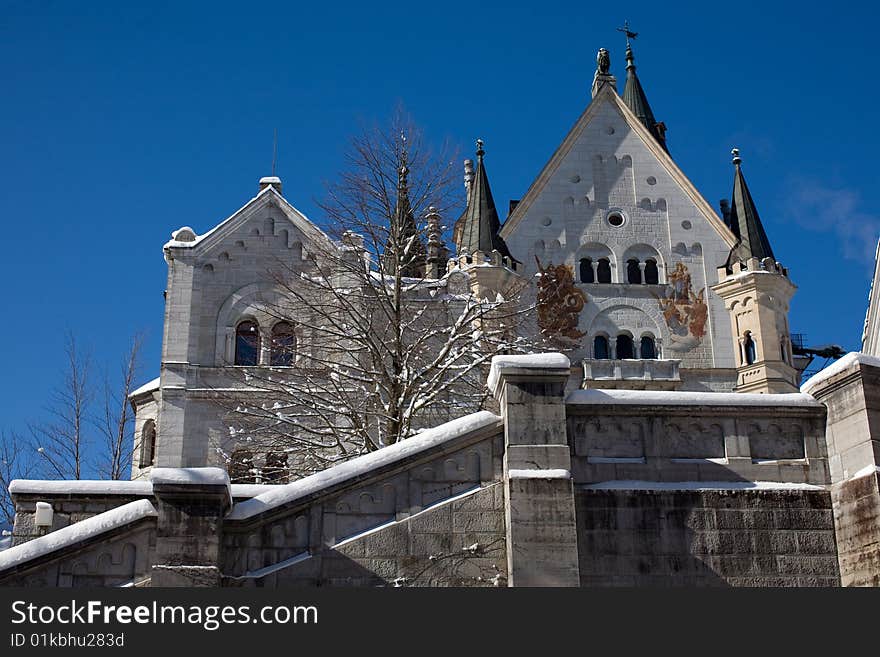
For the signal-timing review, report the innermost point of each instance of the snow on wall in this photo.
(80, 531)
(841, 365)
(101, 487)
(699, 485)
(551, 360)
(362, 465)
(675, 398)
(79, 487)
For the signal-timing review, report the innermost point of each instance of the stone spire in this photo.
(479, 224)
(744, 221)
(404, 230)
(635, 98)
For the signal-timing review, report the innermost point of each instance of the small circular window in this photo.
(615, 219)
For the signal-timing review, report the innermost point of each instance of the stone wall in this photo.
(67, 509)
(456, 543)
(387, 522)
(117, 558)
(706, 538)
(857, 520)
(696, 442)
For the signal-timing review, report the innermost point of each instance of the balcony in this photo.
(635, 374)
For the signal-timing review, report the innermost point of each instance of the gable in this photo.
(588, 136)
(290, 220)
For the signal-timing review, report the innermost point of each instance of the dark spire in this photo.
(751, 240)
(404, 225)
(635, 98)
(479, 224)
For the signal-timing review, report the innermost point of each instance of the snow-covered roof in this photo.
(699, 485)
(149, 386)
(362, 465)
(838, 366)
(77, 532)
(675, 398)
(545, 361)
(80, 487)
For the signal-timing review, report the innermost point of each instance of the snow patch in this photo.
(839, 366)
(699, 485)
(539, 474)
(675, 398)
(545, 361)
(864, 472)
(77, 532)
(362, 465)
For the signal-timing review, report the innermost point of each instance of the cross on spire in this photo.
(629, 33)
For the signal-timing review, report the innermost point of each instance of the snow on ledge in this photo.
(147, 387)
(80, 487)
(207, 476)
(539, 474)
(838, 366)
(675, 398)
(546, 361)
(77, 532)
(699, 485)
(362, 465)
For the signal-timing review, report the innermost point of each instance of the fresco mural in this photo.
(559, 302)
(685, 312)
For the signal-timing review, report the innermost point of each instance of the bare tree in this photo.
(14, 464)
(116, 421)
(61, 440)
(373, 340)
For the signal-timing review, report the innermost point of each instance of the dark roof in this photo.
(751, 240)
(635, 98)
(479, 225)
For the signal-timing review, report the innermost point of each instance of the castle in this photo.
(671, 444)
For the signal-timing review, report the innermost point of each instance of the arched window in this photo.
(275, 470)
(587, 270)
(241, 467)
(603, 271)
(600, 347)
(633, 272)
(647, 348)
(283, 345)
(750, 349)
(624, 346)
(247, 343)
(148, 444)
(652, 274)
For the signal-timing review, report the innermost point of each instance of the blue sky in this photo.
(120, 122)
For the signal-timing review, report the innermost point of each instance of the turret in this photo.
(756, 292)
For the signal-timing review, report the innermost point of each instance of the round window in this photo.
(615, 219)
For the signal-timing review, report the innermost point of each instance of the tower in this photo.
(756, 292)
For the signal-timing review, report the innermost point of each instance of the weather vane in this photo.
(629, 34)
